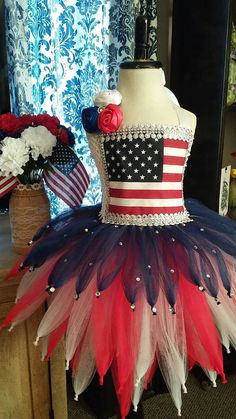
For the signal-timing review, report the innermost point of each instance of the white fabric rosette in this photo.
(107, 97)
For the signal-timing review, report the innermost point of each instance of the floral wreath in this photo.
(105, 116)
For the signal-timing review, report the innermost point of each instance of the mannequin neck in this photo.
(138, 82)
(144, 98)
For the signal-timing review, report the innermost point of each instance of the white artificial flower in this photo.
(15, 154)
(39, 140)
(105, 97)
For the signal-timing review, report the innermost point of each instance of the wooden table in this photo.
(29, 388)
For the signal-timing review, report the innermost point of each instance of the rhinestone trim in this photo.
(147, 220)
(142, 131)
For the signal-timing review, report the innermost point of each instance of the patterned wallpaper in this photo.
(60, 52)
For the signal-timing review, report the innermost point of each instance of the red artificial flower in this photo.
(49, 122)
(26, 120)
(9, 123)
(110, 118)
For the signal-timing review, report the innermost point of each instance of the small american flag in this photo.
(7, 183)
(66, 175)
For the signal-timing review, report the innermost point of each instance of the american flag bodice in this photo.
(142, 171)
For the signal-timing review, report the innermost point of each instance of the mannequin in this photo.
(144, 99)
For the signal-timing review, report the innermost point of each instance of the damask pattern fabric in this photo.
(60, 53)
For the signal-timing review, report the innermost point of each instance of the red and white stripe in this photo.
(164, 197)
(70, 188)
(7, 183)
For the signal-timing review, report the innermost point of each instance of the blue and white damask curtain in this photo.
(61, 52)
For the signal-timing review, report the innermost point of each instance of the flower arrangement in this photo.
(26, 143)
(36, 147)
(105, 116)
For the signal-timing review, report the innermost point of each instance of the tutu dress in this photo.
(144, 280)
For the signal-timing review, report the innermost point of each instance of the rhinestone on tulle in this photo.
(149, 266)
(138, 279)
(86, 230)
(132, 307)
(121, 243)
(201, 288)
(172, 239)
(97, 294)
(208, 276)
(202, 229)
(50, 290)
(172, 309)
(154, 310)
(30, 242)
(214, 251)
(195, 247)
(65, 260)
(172, 271)
(90, 264)
(76, 297)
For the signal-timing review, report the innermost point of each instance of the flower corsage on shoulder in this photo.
(105, 116)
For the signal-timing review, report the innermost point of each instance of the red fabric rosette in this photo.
(110, 118)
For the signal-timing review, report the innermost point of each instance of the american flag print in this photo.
(66, 176)
(145, 175)
(7, 183)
